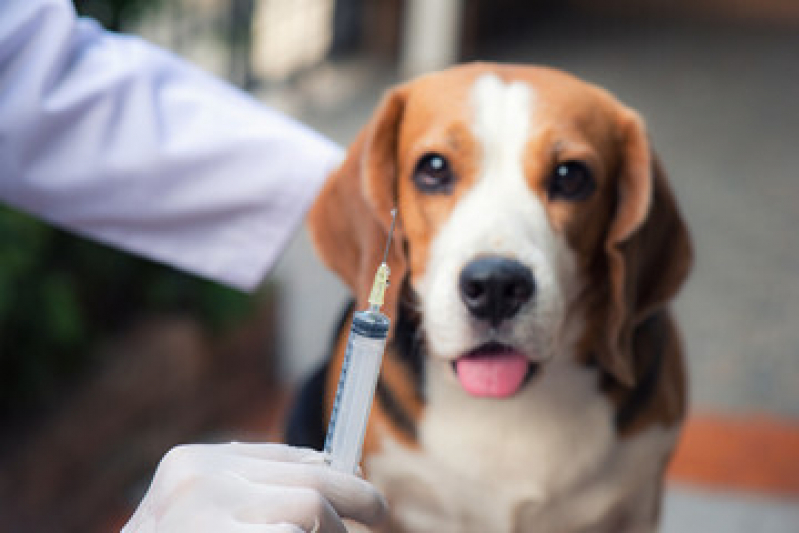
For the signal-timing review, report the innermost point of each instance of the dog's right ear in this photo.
(350, 219)
(648, 249)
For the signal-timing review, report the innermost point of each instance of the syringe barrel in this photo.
(356, 388)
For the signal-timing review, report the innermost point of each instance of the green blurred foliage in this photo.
(113, 13)
(60, 295)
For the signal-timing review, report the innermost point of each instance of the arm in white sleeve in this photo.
(117, 140)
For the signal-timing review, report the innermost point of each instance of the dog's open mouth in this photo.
(493, 370)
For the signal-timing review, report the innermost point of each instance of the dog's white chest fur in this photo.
(547, 459)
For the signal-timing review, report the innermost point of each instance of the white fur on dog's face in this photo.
(499, 215)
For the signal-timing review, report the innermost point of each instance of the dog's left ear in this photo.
(350, 219)
(649, 252)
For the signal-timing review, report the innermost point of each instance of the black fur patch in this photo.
(408, 341)
(651, 337)
(306, 425)
(408, 347)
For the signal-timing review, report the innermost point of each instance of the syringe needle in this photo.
(390, 234)
(359, 373)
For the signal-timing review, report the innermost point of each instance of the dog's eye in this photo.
(572, 181)
(433, 174)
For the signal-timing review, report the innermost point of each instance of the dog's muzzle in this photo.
(494, 288)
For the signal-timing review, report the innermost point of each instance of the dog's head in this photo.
(532, 215)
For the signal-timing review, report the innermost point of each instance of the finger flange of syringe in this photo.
(356, 387)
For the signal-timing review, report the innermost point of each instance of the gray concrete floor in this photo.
(689, 510)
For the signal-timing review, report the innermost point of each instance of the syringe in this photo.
(358, 378)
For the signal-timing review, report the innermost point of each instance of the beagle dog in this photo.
(533, 379)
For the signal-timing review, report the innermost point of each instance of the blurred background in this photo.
(107, 361)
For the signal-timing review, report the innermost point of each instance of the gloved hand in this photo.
(231, 488)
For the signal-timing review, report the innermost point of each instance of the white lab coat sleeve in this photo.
(120, 141)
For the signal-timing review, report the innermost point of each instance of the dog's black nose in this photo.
(494, 288)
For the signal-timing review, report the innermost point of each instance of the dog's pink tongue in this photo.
(497, 375)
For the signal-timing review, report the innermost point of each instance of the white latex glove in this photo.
(231, 488)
